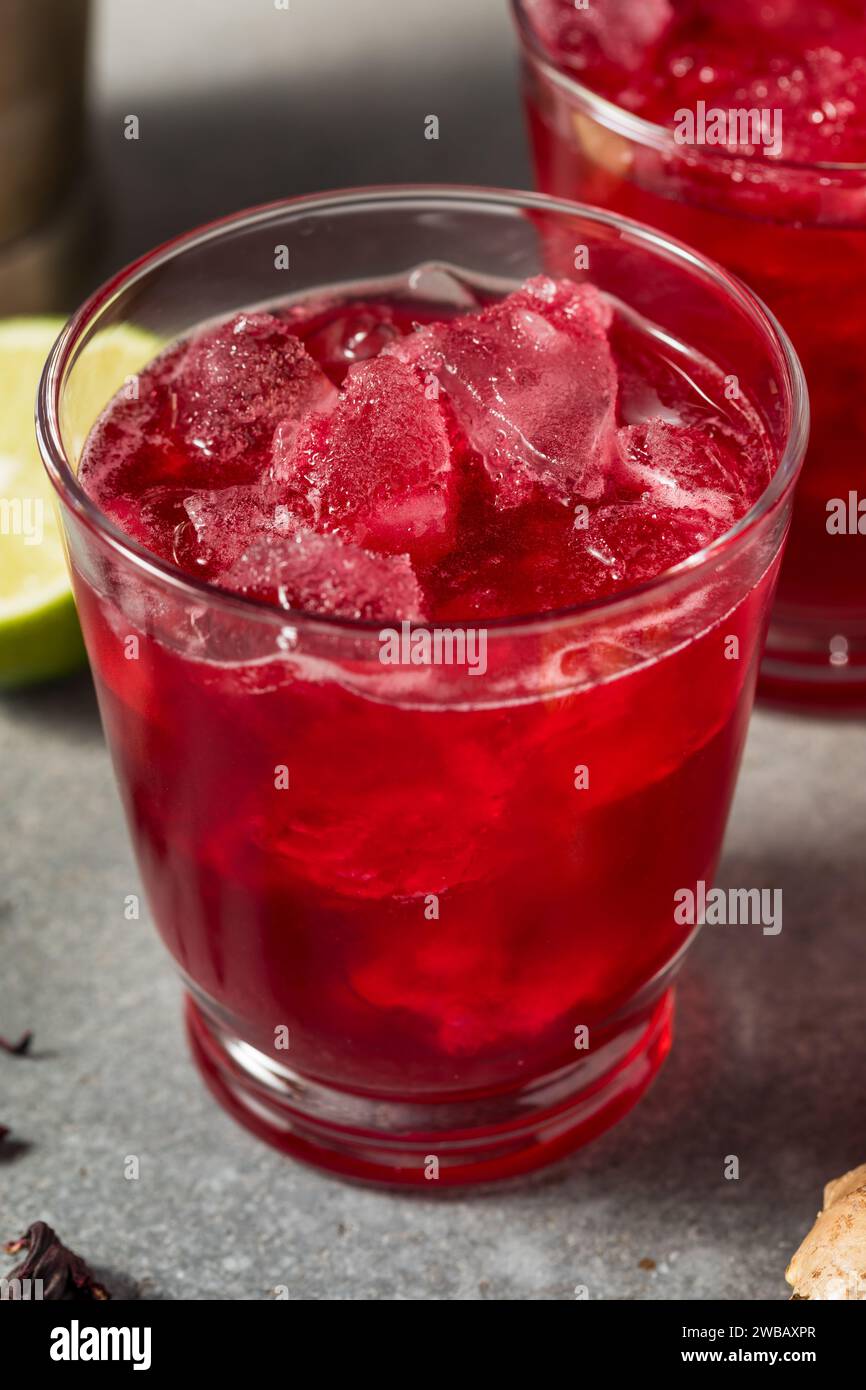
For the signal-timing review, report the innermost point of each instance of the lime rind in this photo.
(40, 638)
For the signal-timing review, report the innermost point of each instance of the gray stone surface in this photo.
(767, 1062)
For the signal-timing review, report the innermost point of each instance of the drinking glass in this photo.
(796, 233)
(425, 919)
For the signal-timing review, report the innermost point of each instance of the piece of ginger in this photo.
(831, 1262)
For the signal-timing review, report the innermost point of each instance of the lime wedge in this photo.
(39, 633)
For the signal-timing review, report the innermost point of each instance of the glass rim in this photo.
(65, 481)
(637, 128)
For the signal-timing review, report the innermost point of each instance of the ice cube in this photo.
(628, 543)
(410, 819)
(152, 517)
(533, 384)
(235, 384)
(627, 29)
(624, 30)
(378, 468)
(327, 575)
(225, 522)
(822, 96)
(337, 335)
(683, 466)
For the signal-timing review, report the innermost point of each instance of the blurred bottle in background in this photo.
(45, 204)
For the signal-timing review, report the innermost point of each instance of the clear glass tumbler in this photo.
(329, 1009)
(796, 233)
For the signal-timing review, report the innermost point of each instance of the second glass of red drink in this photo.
(740, 128)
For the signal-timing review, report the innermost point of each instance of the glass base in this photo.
(425, 1143)
(815, 661)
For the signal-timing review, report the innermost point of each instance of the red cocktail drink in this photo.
(425, 612)
(740, 128)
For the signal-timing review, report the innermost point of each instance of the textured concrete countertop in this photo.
(768, 1058)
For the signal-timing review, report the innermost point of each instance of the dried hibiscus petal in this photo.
(64, 1276)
